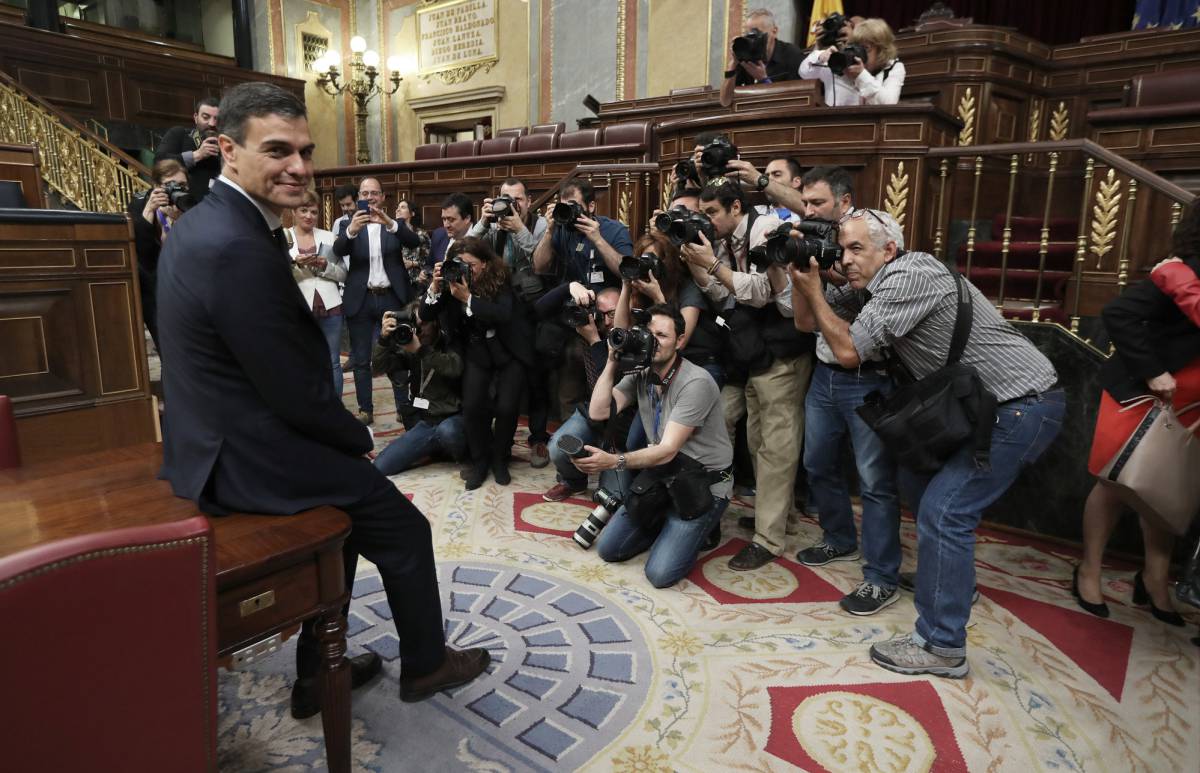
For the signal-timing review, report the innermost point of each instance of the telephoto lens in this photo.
(566, 213)
(607, 503)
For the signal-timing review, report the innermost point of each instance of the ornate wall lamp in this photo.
(362, 84)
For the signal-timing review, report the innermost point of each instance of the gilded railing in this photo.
(82, 167)
(1089, 222)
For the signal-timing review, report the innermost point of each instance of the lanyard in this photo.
(423, 378)
(655, 400)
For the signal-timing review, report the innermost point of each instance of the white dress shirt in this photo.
(376, 277)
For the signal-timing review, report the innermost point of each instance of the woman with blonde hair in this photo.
(317, 271)
(874, 81)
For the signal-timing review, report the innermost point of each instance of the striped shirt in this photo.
(911, 305)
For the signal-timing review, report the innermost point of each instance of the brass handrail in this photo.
(81, 166)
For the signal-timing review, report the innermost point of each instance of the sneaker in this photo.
(904, 656)
(539, 455)
(751, 557)
(366, 417)
(824, 553)
(908, 582)
(868, 598)
(560, 491)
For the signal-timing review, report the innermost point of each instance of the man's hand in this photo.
(744, 172)
(853, 70)
(461, 291)
(388, 324)
(208, 148)
(381, 217)
(581, 295)
(589, 228)
(358, 222)
(757, 70)
(156, 199)
(598, 461)
(511, 223)
(650, 288)
(699, 254)
(588, 332)
(1157, 265)
(1162, 386)
(808, 282)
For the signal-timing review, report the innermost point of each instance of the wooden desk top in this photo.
(119, 489)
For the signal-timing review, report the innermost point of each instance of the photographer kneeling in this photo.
(683, 483)
(866, 71)
(434, 371)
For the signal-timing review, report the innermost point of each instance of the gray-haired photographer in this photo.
(759, 56)
(683, 478)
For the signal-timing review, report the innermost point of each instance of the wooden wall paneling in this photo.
(44, 437)
(22, 165)
(44, 358)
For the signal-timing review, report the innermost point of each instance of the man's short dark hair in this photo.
(342, 191)
(459, 201)
(703, 138)
(724, 190)
(585, 188)
(835, 177)
(511, 181)
(669, 310)
(255, 100)
(207, 102)
(792, 164)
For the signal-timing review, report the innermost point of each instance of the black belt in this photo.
(379, 290)
(871, 366)
(1054, 387)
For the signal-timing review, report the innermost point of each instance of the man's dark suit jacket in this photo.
(180, 139)
(505, 313)
(359, 270)
(1152, 336)
(253, 422)
(438, 241)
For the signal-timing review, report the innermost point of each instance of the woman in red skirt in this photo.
(1155, 327)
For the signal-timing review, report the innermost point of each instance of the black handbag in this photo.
(925, 421)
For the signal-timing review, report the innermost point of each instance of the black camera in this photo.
(683, 226)
(574, 315)
(818, 240)
(635, 347)
(456, 270)
(686, 170)
(844, 57)
(565, 213)
(751, 47)
(607, 503)
(502, 206)
(178, 194)
(641, 267)
(831, 30)
(715, 156)
(404, 333)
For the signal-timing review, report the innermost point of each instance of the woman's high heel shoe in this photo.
(1099, 610)
(1141, 597)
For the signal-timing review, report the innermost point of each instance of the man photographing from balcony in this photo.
(780, 60)
(196, 147)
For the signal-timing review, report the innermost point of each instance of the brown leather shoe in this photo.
(459, 667)
(750, 558)
(306, 693)
(539, 455)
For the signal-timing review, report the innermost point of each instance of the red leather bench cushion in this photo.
(584, 138)
(430, 151)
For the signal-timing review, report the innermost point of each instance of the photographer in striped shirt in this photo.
(908, 304)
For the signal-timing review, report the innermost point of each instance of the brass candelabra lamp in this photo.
(364, 83)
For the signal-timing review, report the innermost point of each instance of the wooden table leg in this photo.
(335, 690)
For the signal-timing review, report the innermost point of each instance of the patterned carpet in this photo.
(593, 669)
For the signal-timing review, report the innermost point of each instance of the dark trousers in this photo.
(364, 331)
(538, 381)
(486, 444)
(393, 534)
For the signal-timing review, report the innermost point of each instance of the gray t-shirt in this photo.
(692, 400)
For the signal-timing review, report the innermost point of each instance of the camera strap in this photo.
(653, 380)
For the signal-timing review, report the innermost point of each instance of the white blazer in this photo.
(325, 283)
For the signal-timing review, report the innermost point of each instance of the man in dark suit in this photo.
(196, 147)
(255, 423)
(376, 282)
(457, 219)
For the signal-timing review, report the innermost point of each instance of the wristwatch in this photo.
(763, 182)
(731, 73)
(621, 463)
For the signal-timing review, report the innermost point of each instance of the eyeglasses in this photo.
(862, 212)
(610, 314)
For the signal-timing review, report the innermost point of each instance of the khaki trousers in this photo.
(773, 404)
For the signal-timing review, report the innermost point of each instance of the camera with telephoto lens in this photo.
(635, 347)
(607, 503)
(686, 170)
(751, 47)
(565, 213)
(818, 240)
(831, 30)
(178, 194)
(456, 270)
(715, 157)
(574, 315)
(404, 333)
(502, 206)
(844, 57)
(683, 226)
(640, 267)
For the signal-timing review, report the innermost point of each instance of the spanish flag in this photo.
(821, 9)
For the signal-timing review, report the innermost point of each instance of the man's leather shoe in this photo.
(306, 693)
(751, 557)
(459, 667)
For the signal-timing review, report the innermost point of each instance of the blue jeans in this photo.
(830, 416)
(568, 473)
(364, 331)
(331, 326)
(951, 504)
(448, 437)
(673, 549)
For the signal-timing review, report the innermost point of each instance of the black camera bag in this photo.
(925, 421)
(682, 483)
